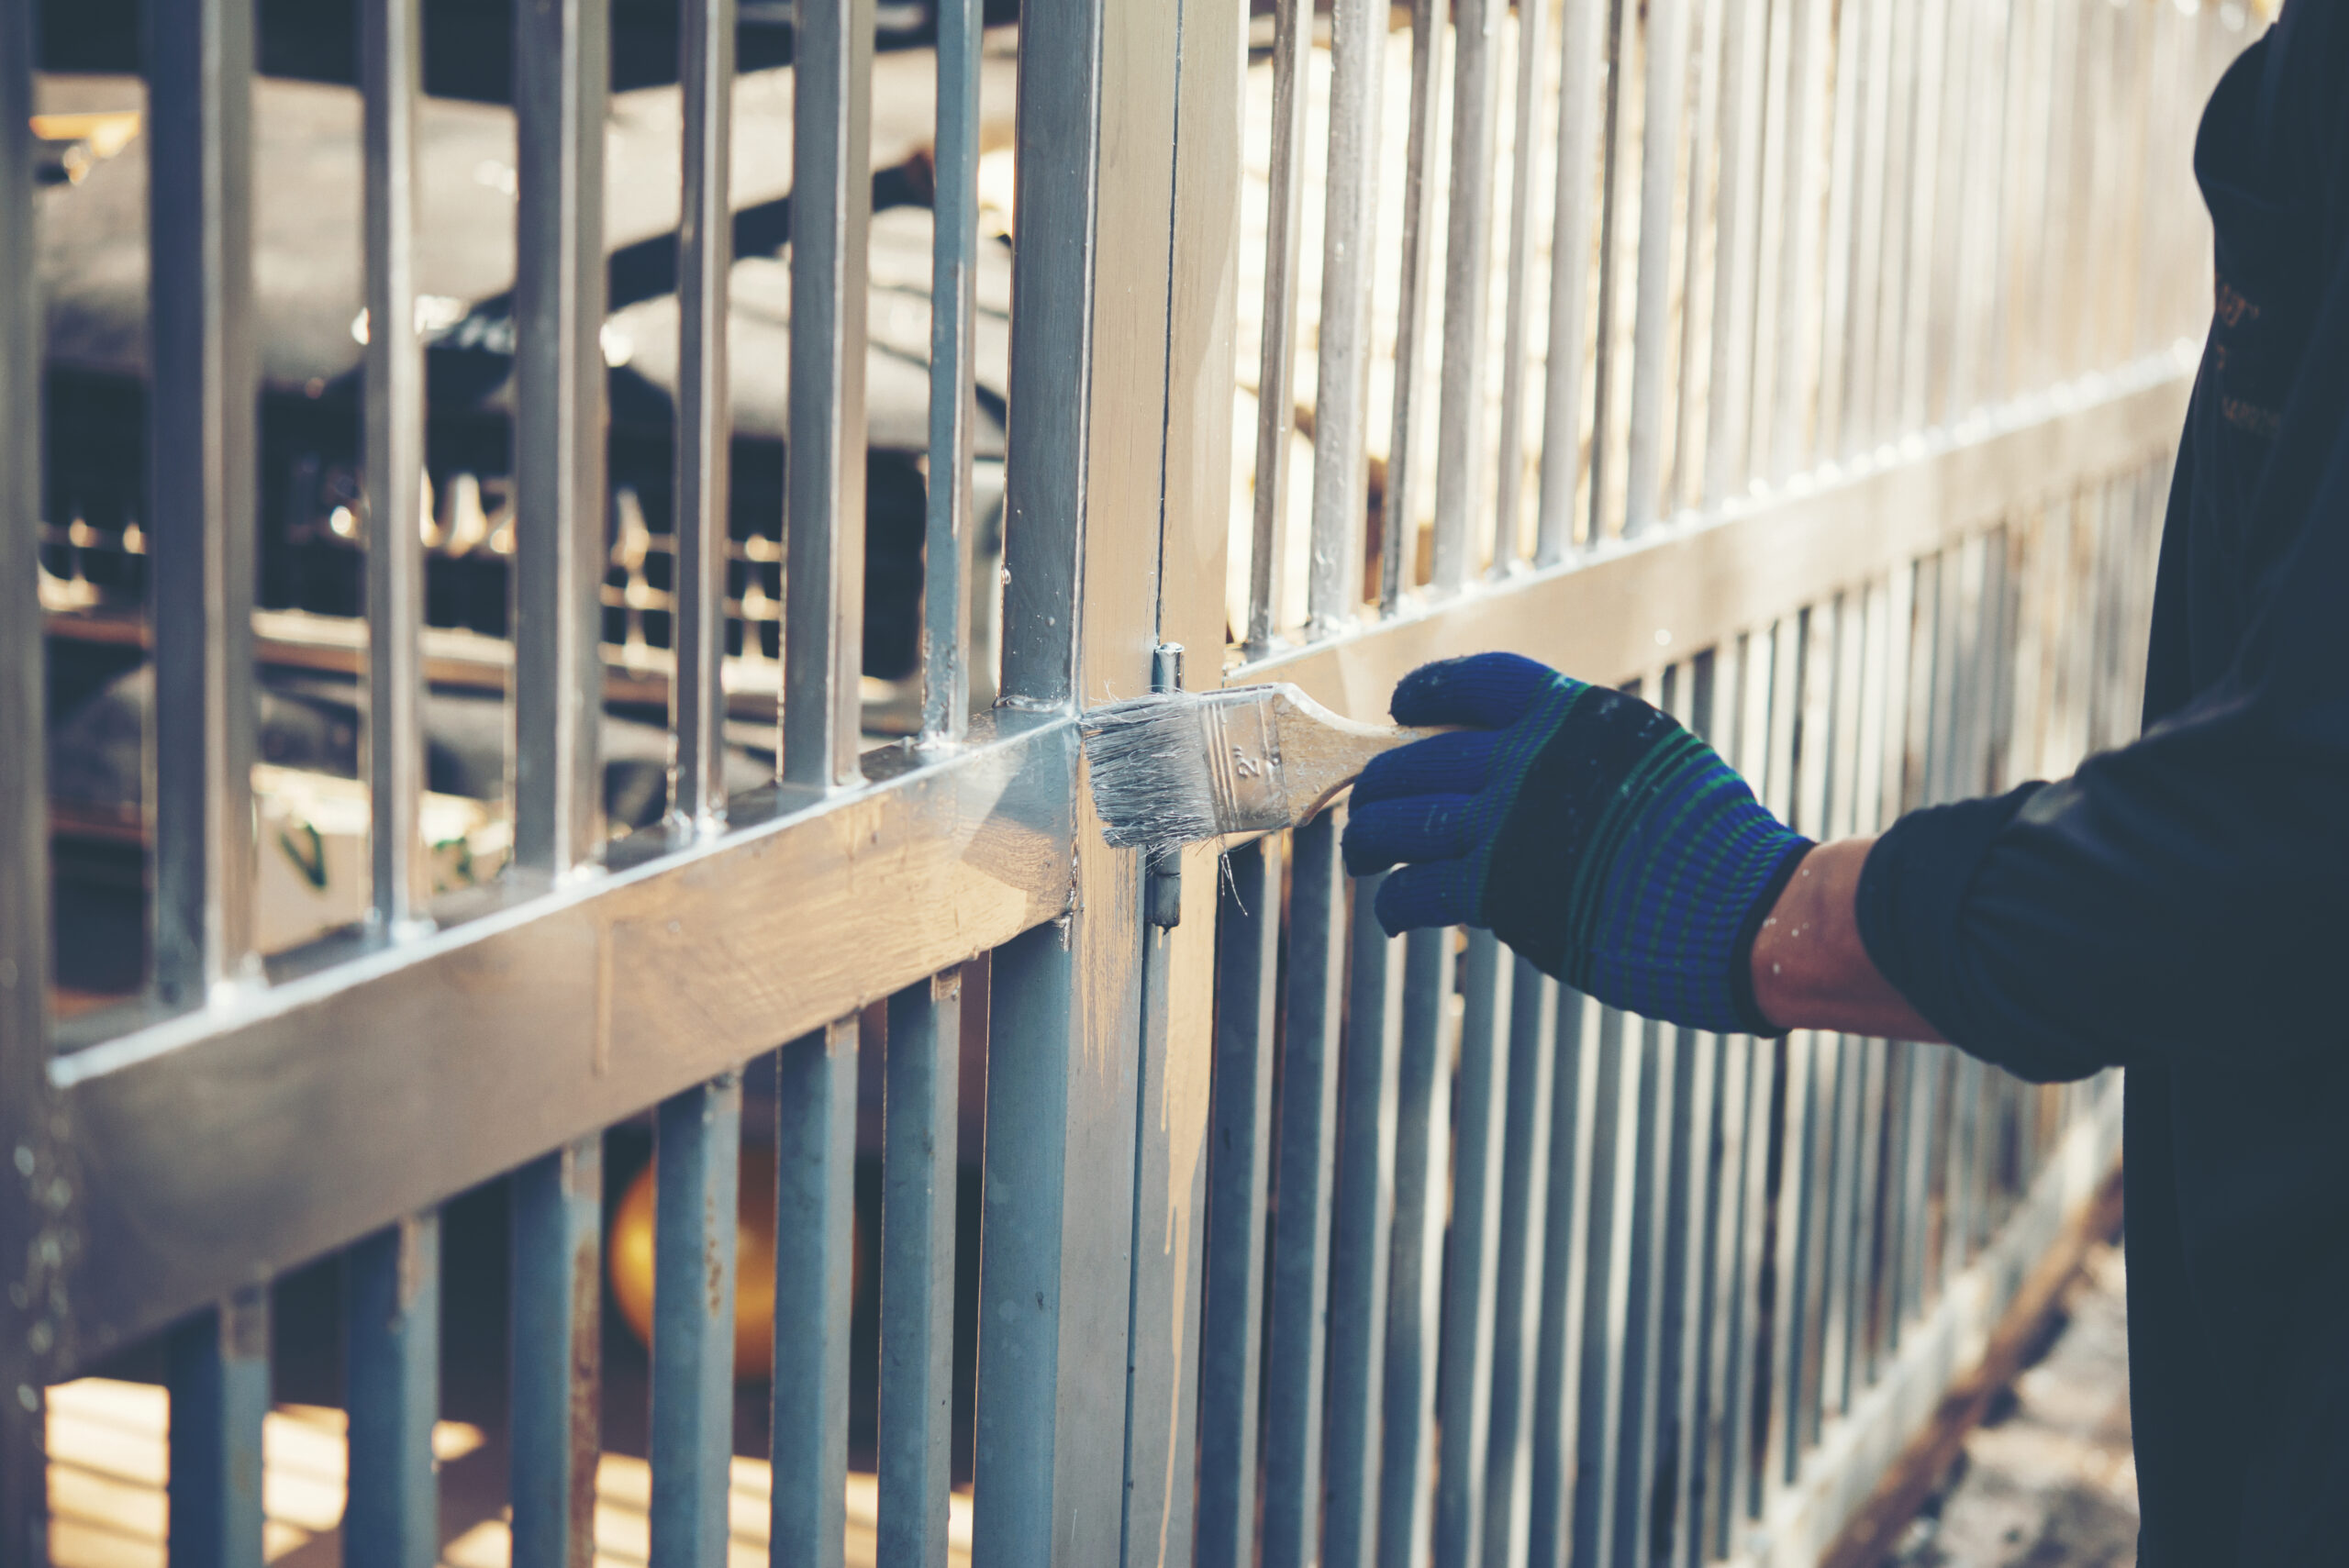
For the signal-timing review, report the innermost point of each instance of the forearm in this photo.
(1811, 969)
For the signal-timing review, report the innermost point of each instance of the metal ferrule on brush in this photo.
(1244, 747)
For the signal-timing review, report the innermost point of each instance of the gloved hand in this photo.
(1590, 832)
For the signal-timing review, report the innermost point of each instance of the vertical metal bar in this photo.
(561, 82)
(1341, 381)
(25, 917)
(1052, 352)
(1276, 351)
(1190, 501)
(1809, 1168)
(202, 481)
(1297, 1333)
(1678, 1232)
(1780, 784)
(697, 1156)
(1525, 158)
(393, 53)
(1896, 169)
(1414, 1270)
(1614, 1147)
(1949, 177)
(1805, 1190)
(1684, 485)
(202, 411)
(219, 1377)
(392, 1373)
(1410, 317)
(2034, 164)
(1796, 323)
(1866, 1309)
(1836, 1265)
(1642, 1250)
(1361, 1229)
(1519, 1269)
(1051, 1189)
(814, 1260)
(1847, 810)
(831, 205)
(1684, 1237)
(953, 411)
(1884, 667)
(558, 1205)
(1774, 220)
(1716, 1082)
(1857, 429)
(1979, 369)
(1965, 1108)
(1834, 333)
(1920, 174)
(1666, 88)
(1713, 1478)
(1609, 409)
(705, 420)
(1741, 1471)
(1247, 970)
(1746, 1483)
(1467, 284)
(1088, 470)
(1557, 1452)
(918, 1165)
(1471, 1275)
(1745, 41)
(1583, 92)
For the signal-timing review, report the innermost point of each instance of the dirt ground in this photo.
(2048, 1481)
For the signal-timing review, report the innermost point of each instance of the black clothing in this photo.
(2178, 906)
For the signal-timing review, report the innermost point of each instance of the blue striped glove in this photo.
(1590, 832)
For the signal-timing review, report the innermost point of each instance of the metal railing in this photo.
(1812, 364)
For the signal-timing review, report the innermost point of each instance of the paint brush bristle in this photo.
(1151, 784)
(1179, 767)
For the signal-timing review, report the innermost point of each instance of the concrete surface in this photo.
(2048, 1481)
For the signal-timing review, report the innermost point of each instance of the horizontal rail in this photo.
(225, 1145)
(1680, 587)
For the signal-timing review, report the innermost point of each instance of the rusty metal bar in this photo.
(698, 1160)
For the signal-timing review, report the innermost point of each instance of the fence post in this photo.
(1084, 472)
(1178, 961)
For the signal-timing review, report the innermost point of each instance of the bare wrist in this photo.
(1810, 970)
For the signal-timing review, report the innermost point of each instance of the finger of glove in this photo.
(1455, 762)
(1421, 827)
(1440, 893)
(1485, 691)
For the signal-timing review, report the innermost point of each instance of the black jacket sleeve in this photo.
(2188, 894)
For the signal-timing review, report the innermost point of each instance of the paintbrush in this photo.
(1177, 767)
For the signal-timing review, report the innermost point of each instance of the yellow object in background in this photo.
(629, 1258)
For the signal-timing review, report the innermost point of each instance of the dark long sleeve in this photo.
(2188, 894)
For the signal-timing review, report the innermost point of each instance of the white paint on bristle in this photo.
(1152, 786)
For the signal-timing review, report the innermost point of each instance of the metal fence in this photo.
(1812, 363)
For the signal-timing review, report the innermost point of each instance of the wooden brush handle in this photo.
(1324, 753)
